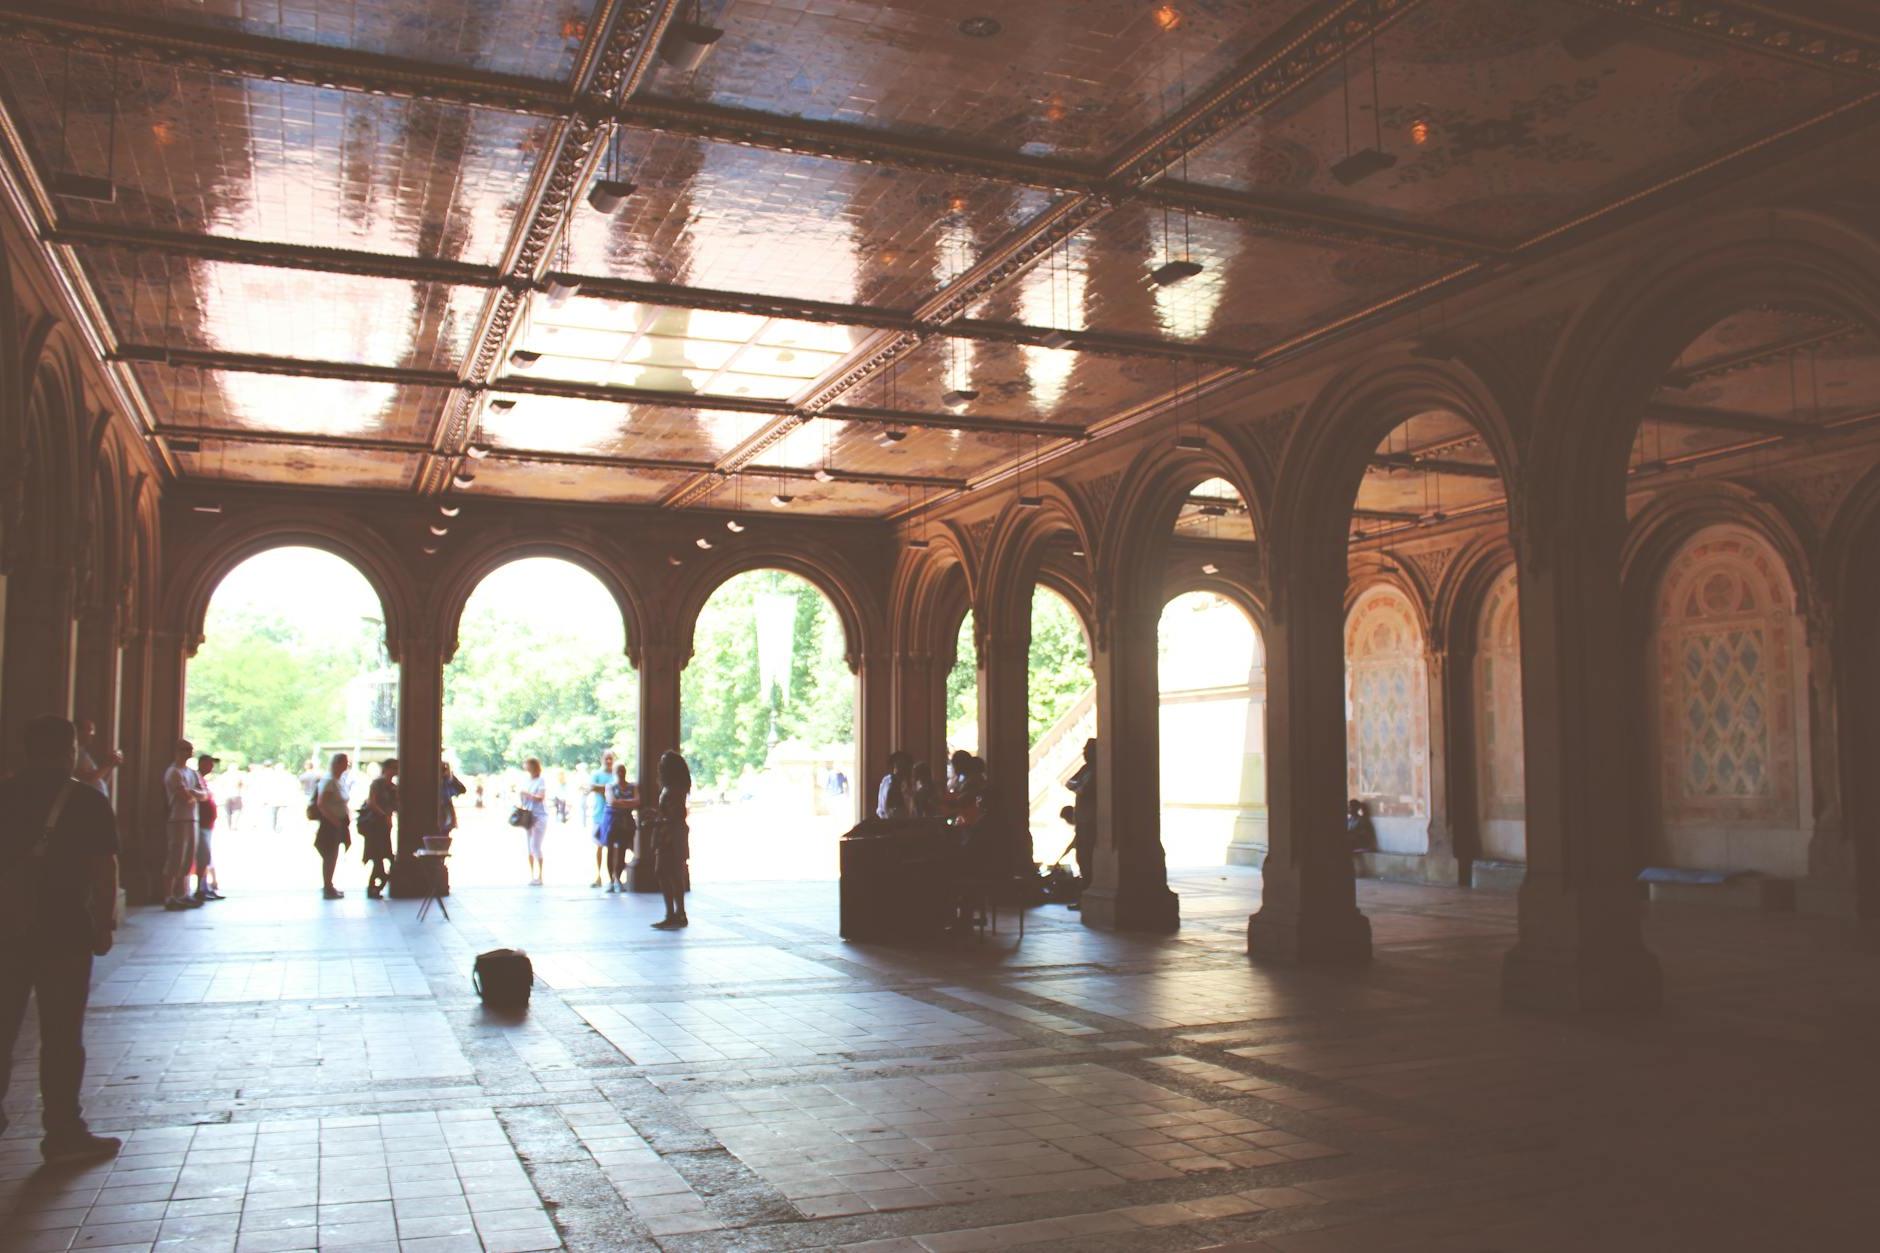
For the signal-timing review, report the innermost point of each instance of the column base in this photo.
(1131, 909)
(1626, 980)
(640, 875)
(1341, 938)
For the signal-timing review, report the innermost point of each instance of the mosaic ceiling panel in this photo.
(1501, 124)
(1064, 80)
(533, 38)
(185, 302)
(745, 219)
(260, 160)
(1498, 130)
(239, 400)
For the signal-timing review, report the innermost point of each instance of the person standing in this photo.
(893, 799)
(1083, 786)
(182, 793)
(535, 800)
(672, 839)
(449, 788)
(623, 797)
(207, 889)
(335, 829)
(375, 826)
(94, 768)
(923, 798)
(60, 897)
(599, 812)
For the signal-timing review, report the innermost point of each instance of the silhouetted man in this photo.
(59, 909)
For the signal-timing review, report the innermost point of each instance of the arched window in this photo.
(1212, 675)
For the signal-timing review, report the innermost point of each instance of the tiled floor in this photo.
(297, 1074)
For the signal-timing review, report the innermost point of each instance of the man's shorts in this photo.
(205, 855)
(180, 846)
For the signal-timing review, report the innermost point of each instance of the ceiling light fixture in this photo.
(890, 437)
(702, 542)
(69, 183)
(1360, 165)
(1208, 567)
(476, 452)
(673, 560)
(734, 526)
(823, 475)
(560, 289)
(687, 44)
(502, 404)
(1170, 272)
(781, 501)
(439, 531)
(205, 509)
(1031, 502)
(1194, 441)
(958, 397)
(523, 358)
(430, 550)
(608, 194)
(463, 478)
(1056, 339)
(184, 445)
(450, 511)
(1077, 552)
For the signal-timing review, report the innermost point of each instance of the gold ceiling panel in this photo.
(190, 398)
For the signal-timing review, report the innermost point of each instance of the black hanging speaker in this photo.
(687, 43)
(503, 977)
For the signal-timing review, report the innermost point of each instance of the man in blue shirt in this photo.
(594, 805)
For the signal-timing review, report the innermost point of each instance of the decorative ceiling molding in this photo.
(613, 62)
(1759, 27)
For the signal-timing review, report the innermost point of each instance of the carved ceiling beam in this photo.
(1771, 29)
(1385, 515)
(614, 61)
(277, 256)
(293, 367)
(1724, 420)
(222, 51)
(1398, 462)
(953, 422)
(1763, 354)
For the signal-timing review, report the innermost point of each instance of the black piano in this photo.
(899, 879)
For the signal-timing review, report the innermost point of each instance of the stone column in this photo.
(37, 674)
(1248, 844)
(659, 730)
(876, 731)
(1130, 891)
(169, 654)
(97, 671)
(420, 749)
(1831, 885)
(920, 709)
(1308, 902)
(1004, 678)
(1440, 864)
(137, 780)
(1580, 945)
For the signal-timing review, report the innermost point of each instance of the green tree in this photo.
(963, 688)
(1058, 663)
(263, 687)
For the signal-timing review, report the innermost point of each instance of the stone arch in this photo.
(832, 576)
(1387, 745)
(1366, 571)
(460, 583)
(1727, 703)
(1139, 527)
(1242, 594)
(932, 592)
(221, 551)
(1619, 347)
(1668, 522)
(1016, 560)
(1325, 461)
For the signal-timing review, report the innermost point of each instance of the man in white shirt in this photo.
(93, 770)
(895, 800)
(182, 792)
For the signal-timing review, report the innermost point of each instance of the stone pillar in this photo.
(1308, 902)
(660, 665)
(169, 655)
(1004, 679)
(1580, 945)
(1440, 864)
(420, 750)
(920, 718)
(138, 780)
(876, 731)
(1130, 891)
(37, 679)
(1247, 846)
(96, 664)
(1831, 885)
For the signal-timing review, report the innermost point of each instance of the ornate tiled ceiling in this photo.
(874, 252)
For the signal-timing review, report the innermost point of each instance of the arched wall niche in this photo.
(461, 583)
(1500, 741)
(1387, 719)
(1728, 680)
(216, 554)
(863, 628)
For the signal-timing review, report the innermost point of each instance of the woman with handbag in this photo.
(375, 826)
(534, 802)
(335, 829)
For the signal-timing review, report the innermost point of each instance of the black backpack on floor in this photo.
(503, 977)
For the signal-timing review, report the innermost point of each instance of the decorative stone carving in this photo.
(1271, 432)
(1431, 563)
(1101, 492)
(1819, 491)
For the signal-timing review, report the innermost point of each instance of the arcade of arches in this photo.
(1515, 481)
